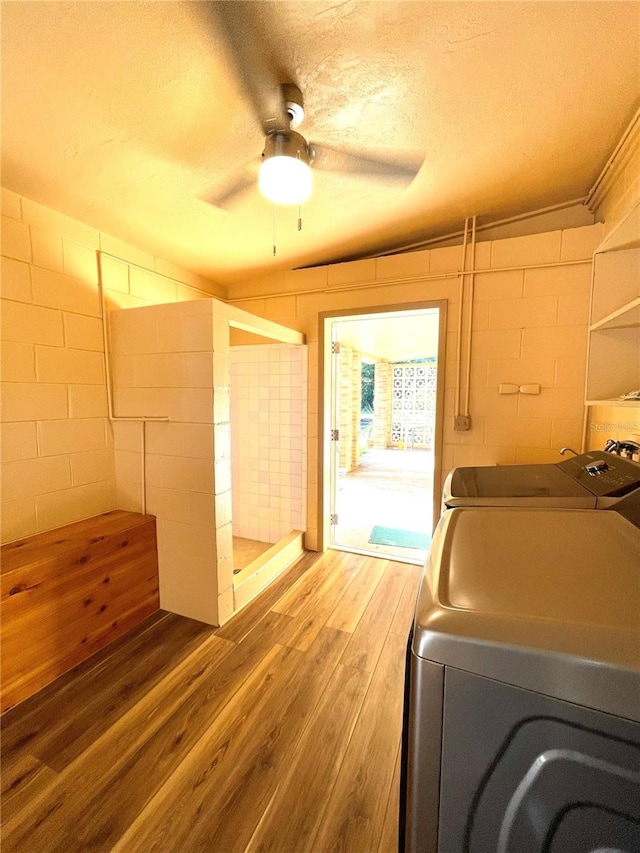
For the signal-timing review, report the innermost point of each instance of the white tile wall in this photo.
(268, 440)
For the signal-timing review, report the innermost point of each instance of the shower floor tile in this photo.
(245, 551)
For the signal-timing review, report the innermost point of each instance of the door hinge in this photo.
(334, 518)
(335, 347)
(335, 435)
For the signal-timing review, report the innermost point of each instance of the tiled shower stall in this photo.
(172, 362)
(268, 430)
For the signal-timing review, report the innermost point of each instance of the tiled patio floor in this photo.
(391, 488)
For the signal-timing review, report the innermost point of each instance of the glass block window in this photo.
(413, 406)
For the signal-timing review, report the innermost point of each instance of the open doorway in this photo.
(383, 386)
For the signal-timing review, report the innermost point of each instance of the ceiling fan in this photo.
(285, 167)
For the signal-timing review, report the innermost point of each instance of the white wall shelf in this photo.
(613, 363)
(625, 317)
(631, 404)
(616, 282)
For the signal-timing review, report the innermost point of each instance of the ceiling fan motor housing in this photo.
(293, 104)
(290, 144)
(285, 174)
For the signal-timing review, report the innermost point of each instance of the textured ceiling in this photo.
(125, 114)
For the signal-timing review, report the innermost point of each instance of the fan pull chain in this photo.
(299, 206)
(274, 230)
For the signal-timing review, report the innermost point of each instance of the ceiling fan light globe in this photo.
(285, 180)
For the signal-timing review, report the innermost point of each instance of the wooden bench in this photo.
(68, 592)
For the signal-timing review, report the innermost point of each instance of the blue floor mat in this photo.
(399, 538)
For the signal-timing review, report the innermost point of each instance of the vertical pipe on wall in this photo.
(108, 379)
(105, 337)
(472, 275)
(460, 308)
(587, 413)
(143, 468)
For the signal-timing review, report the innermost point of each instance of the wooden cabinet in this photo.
(613, 365)
(68, 592)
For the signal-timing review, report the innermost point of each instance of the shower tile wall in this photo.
(268, 440)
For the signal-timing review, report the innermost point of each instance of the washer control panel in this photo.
(603, 474)
(597, 467)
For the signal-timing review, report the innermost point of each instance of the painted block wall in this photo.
(167, 363)
(57, 443)
(42, 247)
(268, 440)
(530, 315)
(172, 361)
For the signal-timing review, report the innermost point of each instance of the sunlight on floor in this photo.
(390, 488)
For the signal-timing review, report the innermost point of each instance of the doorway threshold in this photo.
(394, 558)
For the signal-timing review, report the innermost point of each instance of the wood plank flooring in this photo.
(278, 732)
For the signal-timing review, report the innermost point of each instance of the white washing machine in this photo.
(522, 710)
(596, 479)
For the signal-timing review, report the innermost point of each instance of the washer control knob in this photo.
(597, 467)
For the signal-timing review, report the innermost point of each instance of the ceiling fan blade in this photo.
(237, 20)
(402, 168)
(225, 195)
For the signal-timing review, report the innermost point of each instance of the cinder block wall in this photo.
(530, 315)
(57, 443)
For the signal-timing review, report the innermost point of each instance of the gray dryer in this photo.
(522, 711)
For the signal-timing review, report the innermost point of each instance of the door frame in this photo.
(324, 401)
